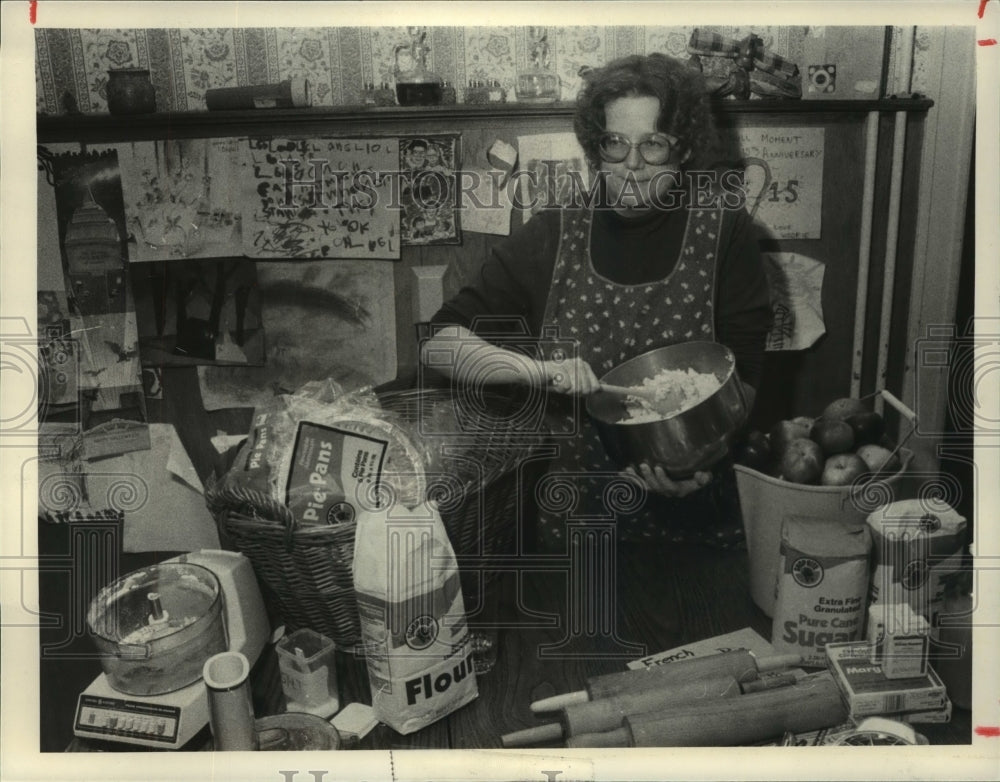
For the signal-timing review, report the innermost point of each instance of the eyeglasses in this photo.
(656, 148)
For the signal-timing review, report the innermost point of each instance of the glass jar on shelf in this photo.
(538, 84)
(495, 92)
(477, 92)
(448, 94)
(385, 95)
(415, 84)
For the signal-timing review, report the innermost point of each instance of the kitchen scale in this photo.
(155, 628)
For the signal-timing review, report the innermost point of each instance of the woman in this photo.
(647, 265)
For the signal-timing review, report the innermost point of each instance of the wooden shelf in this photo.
(103, 128)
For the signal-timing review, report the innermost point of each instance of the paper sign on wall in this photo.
(796, 284)
(784, 171)
(181, 197)
(321, 198)
(553, 168)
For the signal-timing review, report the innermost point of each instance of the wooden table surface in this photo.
(552, 633)
(664, 598)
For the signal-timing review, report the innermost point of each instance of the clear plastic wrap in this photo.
(325, 453)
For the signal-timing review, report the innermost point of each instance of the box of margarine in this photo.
(867, 690)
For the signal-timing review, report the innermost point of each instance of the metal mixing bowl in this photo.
(682, 442)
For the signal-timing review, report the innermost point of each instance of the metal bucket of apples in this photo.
(839, 466)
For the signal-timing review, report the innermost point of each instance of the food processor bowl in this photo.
(155, 627)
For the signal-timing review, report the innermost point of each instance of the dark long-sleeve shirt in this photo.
(514, 280)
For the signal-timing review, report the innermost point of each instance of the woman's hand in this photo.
(570, 376)
(656, 479)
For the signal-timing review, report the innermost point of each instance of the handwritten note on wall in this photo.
(789, 201)
(321, 198)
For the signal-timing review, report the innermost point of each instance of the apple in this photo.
(840, 409)
(785, 431)
(802, 461)
(833, 435)
(868, 427)
(879, 459)
(754, 452)
(842, 469)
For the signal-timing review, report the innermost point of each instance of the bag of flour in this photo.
(919, 545)
(822, 587)
(413, 624)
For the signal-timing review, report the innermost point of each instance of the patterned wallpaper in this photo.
(338, 61)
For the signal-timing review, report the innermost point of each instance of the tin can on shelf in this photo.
(130, 91)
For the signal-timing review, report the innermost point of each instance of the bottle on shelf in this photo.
(415, 84)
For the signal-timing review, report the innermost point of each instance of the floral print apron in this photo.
(610, 323)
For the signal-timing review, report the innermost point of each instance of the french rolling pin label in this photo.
(745, 639)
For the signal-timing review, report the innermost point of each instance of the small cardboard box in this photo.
(867, 690)
(937, 716)
(899, 638)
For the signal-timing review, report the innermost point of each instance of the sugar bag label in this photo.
(822, 587)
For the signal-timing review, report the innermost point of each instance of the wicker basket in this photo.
(305, 572)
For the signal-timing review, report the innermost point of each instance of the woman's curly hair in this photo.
(685, 108)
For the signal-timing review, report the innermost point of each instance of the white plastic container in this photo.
(309, 673)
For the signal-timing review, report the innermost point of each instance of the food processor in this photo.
(154, 629)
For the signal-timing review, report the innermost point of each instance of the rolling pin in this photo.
(739, 663)
(812, 703)
(606, 714)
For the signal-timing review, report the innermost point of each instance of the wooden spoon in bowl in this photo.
(648, 395)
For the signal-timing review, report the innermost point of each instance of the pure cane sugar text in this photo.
(821, 588)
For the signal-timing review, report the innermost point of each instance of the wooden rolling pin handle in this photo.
(529, 736)
(558, 702)
(771, 682)
(778, 661)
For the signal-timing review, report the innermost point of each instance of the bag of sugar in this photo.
(413, 624)
(822, 586)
